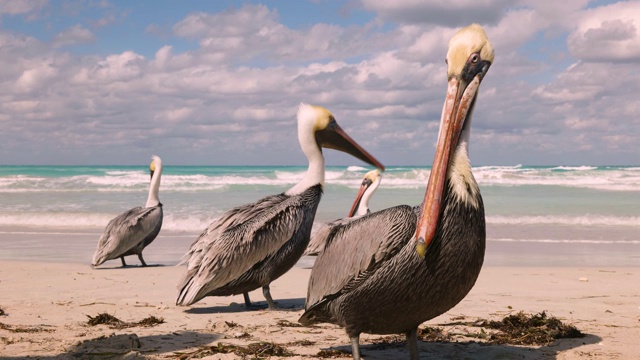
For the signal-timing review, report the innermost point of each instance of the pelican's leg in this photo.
(247, 301)
(267, 295)
(142, 260)
(412, 343)
(249, 305)
(355, 347)
(124, 264)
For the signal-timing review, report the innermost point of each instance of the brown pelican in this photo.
(130, 232)
(389, 271)
(319, 236)
(251, 245)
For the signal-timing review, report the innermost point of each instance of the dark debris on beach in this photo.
(515, 329)
(433, 334)
(24, 329)
(287, 323)
(333, 353)
(115, 323)
(258, 350)
(532, 329)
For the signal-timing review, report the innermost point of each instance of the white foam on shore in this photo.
(587, 177)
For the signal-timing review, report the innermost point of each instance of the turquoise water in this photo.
(552, 213)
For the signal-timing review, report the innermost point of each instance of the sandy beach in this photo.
(47, 307)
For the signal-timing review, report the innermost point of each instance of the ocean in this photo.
(536, 216)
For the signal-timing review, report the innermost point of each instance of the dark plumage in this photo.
(321, 234)
(389, 271)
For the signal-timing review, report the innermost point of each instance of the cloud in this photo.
(126, 66)
(72, 36)
(17, 7)
(450, 13)
(254, 33)
(235, 95)
(608, 33)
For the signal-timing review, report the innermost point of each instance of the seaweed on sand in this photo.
(259, 350)
(115, 323)
(533, 329)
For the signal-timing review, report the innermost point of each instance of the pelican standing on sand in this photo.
(130, 232)
(320, 236)
(251, 245)
(392, 270)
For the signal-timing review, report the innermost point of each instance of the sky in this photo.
(106, 82)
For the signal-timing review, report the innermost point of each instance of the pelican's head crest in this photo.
(316, 116)
(156, 162)
(372, 175)
(469, 45)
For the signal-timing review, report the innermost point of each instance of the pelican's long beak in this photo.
(366, 183)
(333, 137)
(457, 108)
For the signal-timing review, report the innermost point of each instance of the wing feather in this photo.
(355, 249)
(237, 241)
(321, 233)
(125, 232)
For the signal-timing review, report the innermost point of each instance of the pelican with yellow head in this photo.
(389, 271)
(251, 245)
(130, 232)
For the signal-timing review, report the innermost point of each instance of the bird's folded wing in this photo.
(127, 230)
(358, 248)
(246, 236)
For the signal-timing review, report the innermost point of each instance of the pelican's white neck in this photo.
(154, 186)
(363, 208)
(461, 180)
(310, 147)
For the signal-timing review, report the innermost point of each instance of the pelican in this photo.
(251, 245)
(130, 232)
(319, 237)
(391, 270)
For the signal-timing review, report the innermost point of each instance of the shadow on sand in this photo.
(469, 350)
(130, 346)
(282, 304)
(120, 267)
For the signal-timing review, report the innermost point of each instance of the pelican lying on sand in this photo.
(320, 236)
(251, 245)
(130, 232)
(390, 271)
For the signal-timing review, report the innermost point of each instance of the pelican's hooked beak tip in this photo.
(421, 247)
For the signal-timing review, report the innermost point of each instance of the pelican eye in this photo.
(474, 58)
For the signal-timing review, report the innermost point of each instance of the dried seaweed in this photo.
(259, 350)
(267, 349)
(433, 334)
(332, 354)
(287, 323)
(104, 319)
(523, 329)
(25, 329)
(115, 323)
(150, 321)
(303, 342)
